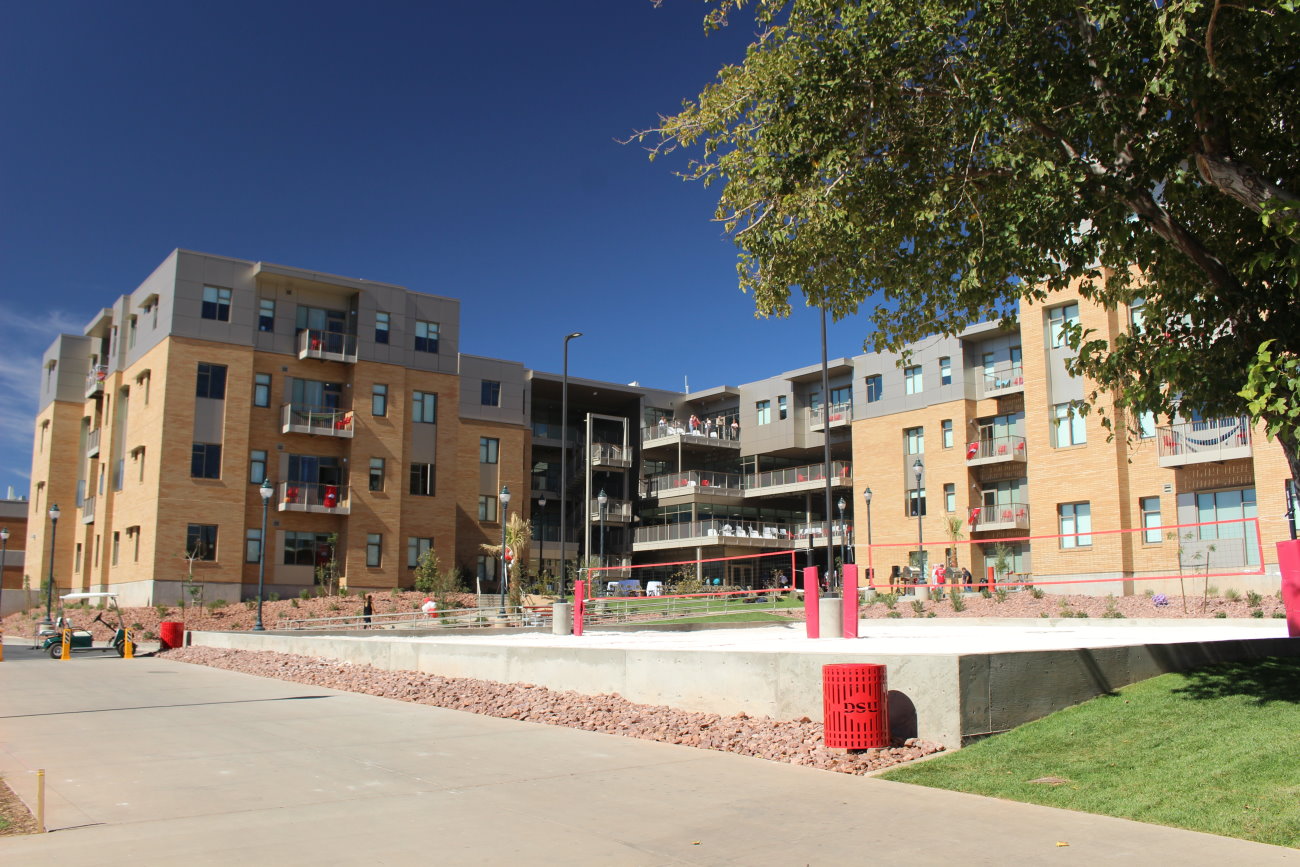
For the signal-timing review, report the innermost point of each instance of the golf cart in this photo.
(83, 640)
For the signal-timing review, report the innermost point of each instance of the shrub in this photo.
(894, 614)
(1253, 599)
(250, 604)
(1036, 592)
(918, 607)
(216, 604)
(890, 600)
(986, 593)
(334, 606)
(137, 626)
(1000, 595)
(293, 603)
(1231, 595)
(273, 597)
(343, 591)
(931, 614)
(958, 603)
(1258, 613)
(1279, 615)
(1221, 614)
(304, 593)
(162, 610)
(150, 635)
(1148, 592)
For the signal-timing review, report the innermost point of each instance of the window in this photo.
(306, 549)
(950, 497)
(426, 336)
(487, 507)
(130, 332)
(1137, 315)
(914, 438)
(265, 314)
(417, 547)
(252, 545)
(117, 544)
(913, 380)
(916, 502)
(374, 549)
(425, 408)
(1075, 518)
(201, 541)
(378, 399)
(381, 328)
(422, 480)
(205, 461)
(488, 450)
(1146, 425)
(946, 428)
(490, 394)
(1057, 320)
(487, 569)
(1150, 508)
(945, 371)
(842, 394)
(1235, 506)
(782, 411)
(1068, 424)
(256, 466)
(76, 559)
(261, 389)
(376, 474)
(211, 382)
(875, 387)
(763, 412)
(216, 304)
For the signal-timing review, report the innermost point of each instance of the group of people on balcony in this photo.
(715, 428)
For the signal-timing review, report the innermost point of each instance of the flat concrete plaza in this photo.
(151, 760)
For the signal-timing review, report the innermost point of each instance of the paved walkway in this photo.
(155, 760)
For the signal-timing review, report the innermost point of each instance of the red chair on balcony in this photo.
(291, 495)
(1002, 449)
(331, 498)
(972, 450)
(1020, 446)
(344, 422)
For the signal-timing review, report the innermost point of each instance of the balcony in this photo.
(836, 415)
(88, 510)
(667, 433)
(327, 346)
(996, 450)
(1003, 379)
(1003, 516)
(610, 456)
(313, 497)
(713, 532)
(616, 511)
(1199, 442)
(92, 443)
(814, 535)
(547, 434)
(797, 479)
(95, 380)
(695, 481)
(320, 420)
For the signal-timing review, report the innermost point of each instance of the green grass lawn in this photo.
(736, 617)
(1216, 750)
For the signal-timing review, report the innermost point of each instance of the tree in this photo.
(940, 162)
(519, 532)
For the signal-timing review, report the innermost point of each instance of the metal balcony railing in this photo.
(95, 380)
(92, 442)
(841, 473)
(1216, 439)
(666, 432)
(996, 450)
(321, 420)
(327, 345)
(1001, 516)
(695, 481)
(718, 532)
(616, 511)
(837, 414)
(1003, 379)
(610, 455)
(314, 497)
(88, 510)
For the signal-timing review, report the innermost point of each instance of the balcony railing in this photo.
(765, 483)
(95, 380)
(837, 414)
(88, 510)
(92, 442)
(314, 497)
(327, 345)
(1196, 442)
(996, 450)
(322, 420)
(813, 534)
(672, 432)
(1007, 379)
(719, 532)
(610, 455)
(616, 511)
(548, 431)
(1002, 516)
(695, 481)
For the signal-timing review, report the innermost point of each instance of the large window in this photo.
(378, 399)
(201, 541)
(782, 410)
(1068, 425)
(1146, 425)
(488, 450)
(376, 474)
(216, 303)
(913, 380)
(841, 394)
(306, 549)
(946, 427)
(256, 466)
(1057, 320)
(425, 407)
(1075, 520)
(1137, 315)
(381, 327)
(945, 371)
(914, 440)
(490, 394)
(423, 480)
(915, 501)
(374, 549)
(487, 507)
(252, 545)
(426, 336)
(261, 389)
(205, 461)
(211, 381)
(417, 547)
(950, 497)
(763, 412)
(1234, 506)
(1150, 507)
(265, 314)
(875, 387)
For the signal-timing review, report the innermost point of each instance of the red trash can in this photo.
(855, 704)
(171, 634)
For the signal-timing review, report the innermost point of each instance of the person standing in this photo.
(367, 611)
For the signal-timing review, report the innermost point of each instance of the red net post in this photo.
(855, 706)
(850, 617)
(579, 589)
(812, 614)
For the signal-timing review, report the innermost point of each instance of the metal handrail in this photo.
(837, 412)
(620, 609)
(1211, 436)
(459, 618)
(331, 420)
(680, 482)
(1006, 447)
(795, 475)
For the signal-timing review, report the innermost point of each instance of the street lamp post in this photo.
(541, 538)
(871, 559)
(4, 553)
(603, 500)
(844, 540)
(505, 563)
(919, 470)
(49, 588)
(564, 463)
(265, 492)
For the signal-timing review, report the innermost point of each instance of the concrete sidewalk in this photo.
(153, 759)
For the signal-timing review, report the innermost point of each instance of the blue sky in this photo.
(463, 149)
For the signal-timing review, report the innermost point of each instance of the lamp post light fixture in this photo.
(564, 463)
(541, 538)
(4, 554)
(505, 563)
(49, 586)
(264, 491)
(871, 577)
(844, 538)
(918, 469)
(603, 500)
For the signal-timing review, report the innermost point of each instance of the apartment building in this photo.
(13, 542)
(159, 425)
